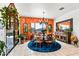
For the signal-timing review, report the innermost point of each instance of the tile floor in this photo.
(66, 50)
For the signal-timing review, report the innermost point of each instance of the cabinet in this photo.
(64, 37)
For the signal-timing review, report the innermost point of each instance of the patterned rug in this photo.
(44, 47)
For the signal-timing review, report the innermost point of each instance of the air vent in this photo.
(61, 8)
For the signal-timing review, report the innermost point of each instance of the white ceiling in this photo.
(51, 9)
(3, 4)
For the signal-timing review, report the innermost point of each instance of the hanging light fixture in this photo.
(43, 30)
(44, 20)
(43, 14)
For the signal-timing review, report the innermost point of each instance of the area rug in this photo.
(44, 47)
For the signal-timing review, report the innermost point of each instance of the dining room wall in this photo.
(29, 20)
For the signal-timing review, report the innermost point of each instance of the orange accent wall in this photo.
(30, 20)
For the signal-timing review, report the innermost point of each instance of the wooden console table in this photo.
(64, 37)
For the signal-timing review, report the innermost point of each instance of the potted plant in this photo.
(6, 13)
(21, 38)
(2, 46)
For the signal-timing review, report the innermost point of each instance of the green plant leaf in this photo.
(2, 45)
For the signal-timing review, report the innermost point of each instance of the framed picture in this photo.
(50, 28)
(25, 27)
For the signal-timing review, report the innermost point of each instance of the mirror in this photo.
(66, 25)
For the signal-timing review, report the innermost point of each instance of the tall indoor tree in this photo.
(6, 13)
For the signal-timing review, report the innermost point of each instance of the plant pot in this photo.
(21, 41)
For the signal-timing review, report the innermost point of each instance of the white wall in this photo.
(2, 34)
(2, 30)
(73, 14)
